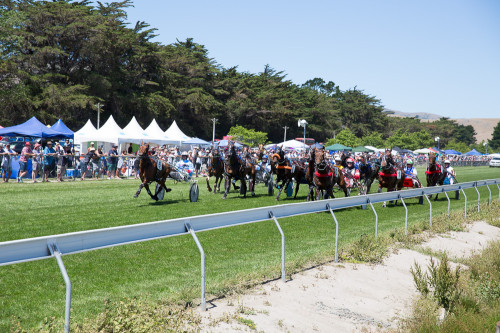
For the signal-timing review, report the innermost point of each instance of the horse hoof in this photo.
(223, 198)
(253, 194)
(168, 190)
(236, 187)
(136, 195)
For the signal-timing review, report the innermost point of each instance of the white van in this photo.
(495, 160)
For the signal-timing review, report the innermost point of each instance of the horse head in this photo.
(319, 159)
(143, 151)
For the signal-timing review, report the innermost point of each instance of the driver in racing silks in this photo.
(450, 173)
(351, 171)
(411, 171)
(185, 164)
(388, 158)
(264, 164)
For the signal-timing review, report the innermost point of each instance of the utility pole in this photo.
(98, 114)
(284, 137)
(213, 132)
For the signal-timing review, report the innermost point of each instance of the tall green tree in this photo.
(494, 142)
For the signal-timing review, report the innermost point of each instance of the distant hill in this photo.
(482, 126)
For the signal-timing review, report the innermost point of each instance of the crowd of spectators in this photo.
(55, 158)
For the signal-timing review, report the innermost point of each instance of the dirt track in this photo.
(340, 297)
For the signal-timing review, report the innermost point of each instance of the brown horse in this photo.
(285, 171)
(322, 176)
(435, 174)
(238, 168)
(149, 172)
(216, 169)
(390, 176)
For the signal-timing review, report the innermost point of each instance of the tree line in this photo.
(59, 59)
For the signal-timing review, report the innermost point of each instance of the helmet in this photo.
(184, 153)
(265, 157)
(350, 160)
(409, 162)
(446, 161)
(337, 158)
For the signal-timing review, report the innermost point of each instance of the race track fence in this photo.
(24, 250)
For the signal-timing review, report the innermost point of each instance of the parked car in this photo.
(495, 161)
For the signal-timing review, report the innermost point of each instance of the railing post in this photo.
(489, 197)
(283, 276)
(406, 214)
(447, 197)
(202, 254)
(430, 209)
(54, 250)
(498, 192)
(478, 196)
(465, 209)
(336, 232)
(376, 216)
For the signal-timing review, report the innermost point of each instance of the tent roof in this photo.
(473, 152)
(225, 143)
(33, 127)
(134, 133)
(154, 129)
(361, 149)
(317, 145)
(175, 133)
(197, 141)
(338, 146)
(109, 132)
(293, 144)
(423, 151)
(61, 127)
(452, 152)
(86, 133)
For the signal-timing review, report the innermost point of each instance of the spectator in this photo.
(68, 153)
(60, 162)
(48, 160)
(36, 161)
(130, 150)
(113, 162)
(95, 160)
(7, 162)
(23, 161)
(196, 159)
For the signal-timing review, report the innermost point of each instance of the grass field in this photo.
(169, 269)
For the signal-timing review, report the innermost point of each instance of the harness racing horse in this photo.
(149, 172)
(238, 168)
(216, 169)
(368, 172)
(322, 176)
(390, 177)
(435, 174)
(285, 171)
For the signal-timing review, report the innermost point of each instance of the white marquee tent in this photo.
(174, 133)
(290, 144)
(85, 134)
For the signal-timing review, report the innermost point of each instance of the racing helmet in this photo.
(409, 162)
(265, 157)
(184, 153)
(349, 160)
(446, 161)
(337, 158)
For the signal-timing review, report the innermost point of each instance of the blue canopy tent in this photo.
(438, 150)
(225, 143)
(33, 128)
(61, 127)
(452, 152)
(473, 152)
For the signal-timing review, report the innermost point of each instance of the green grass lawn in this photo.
(169, 269)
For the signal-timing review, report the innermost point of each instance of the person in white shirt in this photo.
(450, 173)
(185, 164)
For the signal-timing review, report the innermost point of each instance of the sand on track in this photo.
(340, 297)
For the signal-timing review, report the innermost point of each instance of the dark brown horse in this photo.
(216, 169)
(390, 176)
(238, 168)
(285, 171)
(322, 176)
(149, 172)
(434, 174)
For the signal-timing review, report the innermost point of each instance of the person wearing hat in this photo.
(84, 164)
(26, 153)
(36, 161)
(185, 164)
(48, 160)
(450, 173)
(338, 162)
(411, 171)
(7, 162)
(113, 162)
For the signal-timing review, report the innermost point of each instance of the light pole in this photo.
(303, 123)
(213, 132)
(437, 140)
(98, 114)
(284, 137)
(486, 146)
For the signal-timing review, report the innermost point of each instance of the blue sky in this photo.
(439, 57)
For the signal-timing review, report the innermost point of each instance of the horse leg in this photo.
(154, 197)
(234, 185)
(208, 184)
(243, 184)
(280, 188)
(251, 183)
(218, 180)
(139, 190)
(227, 185)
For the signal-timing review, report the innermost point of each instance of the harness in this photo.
(438, 170)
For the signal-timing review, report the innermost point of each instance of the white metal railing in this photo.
(23, 250)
